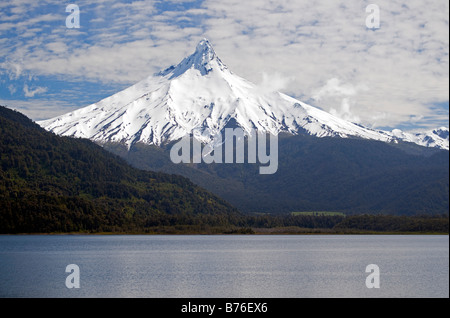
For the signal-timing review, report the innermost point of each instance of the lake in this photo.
(234, 266)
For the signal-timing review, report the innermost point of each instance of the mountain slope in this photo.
(321, 174)
(437, 138)
(50, 183)
(201, 95)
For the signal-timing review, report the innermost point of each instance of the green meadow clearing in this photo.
(319, 213)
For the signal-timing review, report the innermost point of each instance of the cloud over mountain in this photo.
(403, 64)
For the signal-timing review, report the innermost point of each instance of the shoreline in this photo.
(256, 232)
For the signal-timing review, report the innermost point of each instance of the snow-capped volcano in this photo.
(201, 94)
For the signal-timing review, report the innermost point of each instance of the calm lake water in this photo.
(224, 266)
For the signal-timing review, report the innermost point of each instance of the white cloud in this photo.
(274, 82)
(333, 91)
(12, 89)
(57, 47)
(345, 112)
(403, 65)
(39, 109)
(333, 87)
(30, 92)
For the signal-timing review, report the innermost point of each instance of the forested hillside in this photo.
(353, 176)
(50, 184)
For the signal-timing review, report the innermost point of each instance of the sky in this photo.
(329, 54)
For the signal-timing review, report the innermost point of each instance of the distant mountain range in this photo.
(202, 94)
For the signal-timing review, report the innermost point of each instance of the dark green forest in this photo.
(352, 176)
(52, 184)
(57, 184)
